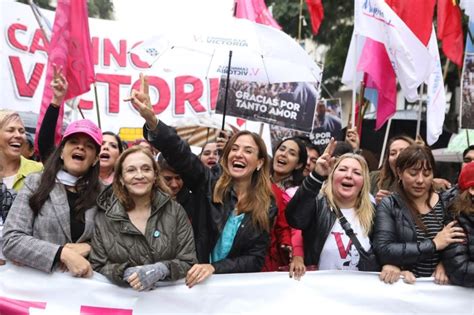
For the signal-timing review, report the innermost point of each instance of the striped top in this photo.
(433, 222)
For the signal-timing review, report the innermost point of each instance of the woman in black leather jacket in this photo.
(325, 241)
(236, 196)
(410, 226)
(458, 258)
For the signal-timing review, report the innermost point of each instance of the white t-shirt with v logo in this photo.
(338, 251)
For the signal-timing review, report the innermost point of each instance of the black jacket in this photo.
(250, 244)
(186, 198)
(395, 239)
(310, 213)
(458, 258)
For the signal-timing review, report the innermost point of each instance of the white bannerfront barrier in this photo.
(27, 291)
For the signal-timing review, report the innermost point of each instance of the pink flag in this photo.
(256, 11)
(70, 48)
(380, 75)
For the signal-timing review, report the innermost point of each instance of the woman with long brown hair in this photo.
(237, 197)
(410, 230)
(458, 258)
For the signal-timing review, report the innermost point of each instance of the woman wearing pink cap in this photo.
(52, 217)
(111, 146)
(458, 258)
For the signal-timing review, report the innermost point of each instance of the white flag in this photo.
(436, 108)
(410, 58)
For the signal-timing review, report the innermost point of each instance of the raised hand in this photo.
(352, 137)
(381, 194)
(59, 85)
(326, 161)
(141, 102)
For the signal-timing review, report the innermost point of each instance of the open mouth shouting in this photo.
(78, 156)
(15, 145)
(238, 166)
(104, 156)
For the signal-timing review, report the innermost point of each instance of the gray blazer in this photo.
(34, 240)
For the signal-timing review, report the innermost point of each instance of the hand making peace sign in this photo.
(141, 102)
(326, 161)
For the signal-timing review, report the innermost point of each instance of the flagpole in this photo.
(300, 19)
(420, 108)
(385, 139)
(354, 84)
(226, 89)
(96, 104)
(38, 20)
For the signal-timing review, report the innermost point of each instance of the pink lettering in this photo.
(120, 57)
(164, 93)
(342, 251)
(214, 91)
(39, 42)
(192, 97)
(11, 33)
(94, 310)
(25, 89)
(114, 81)
(18, 307)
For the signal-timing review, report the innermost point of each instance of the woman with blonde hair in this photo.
(141, 236)
(236, 196)
(13, 166)
(341, 215)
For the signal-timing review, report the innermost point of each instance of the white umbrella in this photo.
(259, 53)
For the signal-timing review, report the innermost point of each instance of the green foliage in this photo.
(335, 32)
(103, 9)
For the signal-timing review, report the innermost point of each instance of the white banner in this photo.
(320, 292)
(23, 52)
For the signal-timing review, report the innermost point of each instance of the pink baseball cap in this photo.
(84, 126)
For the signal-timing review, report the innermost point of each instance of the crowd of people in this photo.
(92, 205)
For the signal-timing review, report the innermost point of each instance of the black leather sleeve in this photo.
(392, 246)
(302, 206)
(458, 259)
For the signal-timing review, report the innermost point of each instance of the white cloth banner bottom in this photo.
(27, 291)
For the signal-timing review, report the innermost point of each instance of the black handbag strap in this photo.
(349, 231)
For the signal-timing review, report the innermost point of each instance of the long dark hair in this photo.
(296, 177)
(87, 186)
(387, 177)
(117, 138)
(419, 156)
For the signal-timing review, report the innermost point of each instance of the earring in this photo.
(258, 168)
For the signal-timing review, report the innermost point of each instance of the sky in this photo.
(158, 12)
